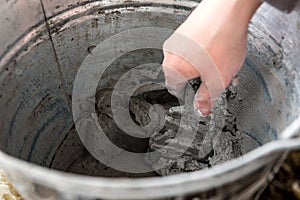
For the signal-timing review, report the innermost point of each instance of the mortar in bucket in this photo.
(43, 46)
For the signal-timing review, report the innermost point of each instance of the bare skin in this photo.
(220, 28)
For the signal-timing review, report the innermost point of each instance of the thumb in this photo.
(203, 102)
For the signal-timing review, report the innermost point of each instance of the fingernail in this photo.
(204, 111)
(198, 112)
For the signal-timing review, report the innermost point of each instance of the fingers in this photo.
(203, 102)
(178, 71)
(184, 60)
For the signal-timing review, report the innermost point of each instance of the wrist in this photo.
(244, 9)
(238, 12)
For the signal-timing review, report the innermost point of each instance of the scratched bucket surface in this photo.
(38, 64)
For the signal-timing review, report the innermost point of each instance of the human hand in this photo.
(210, 44)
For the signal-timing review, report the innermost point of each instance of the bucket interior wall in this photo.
(36, 120)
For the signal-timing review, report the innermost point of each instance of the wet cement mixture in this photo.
(184, 141)
(215, 141)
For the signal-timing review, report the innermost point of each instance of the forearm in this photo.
(241, 12)
(229, 14)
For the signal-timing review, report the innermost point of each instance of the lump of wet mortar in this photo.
(217, 139)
